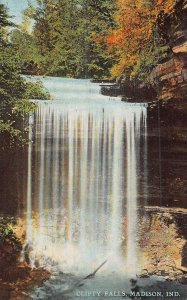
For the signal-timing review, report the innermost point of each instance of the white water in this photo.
(83, 179)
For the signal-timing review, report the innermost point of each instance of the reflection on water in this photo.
(83, 177)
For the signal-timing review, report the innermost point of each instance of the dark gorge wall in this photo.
(13, 164)
(169, 78)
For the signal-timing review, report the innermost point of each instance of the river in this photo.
(94, 170)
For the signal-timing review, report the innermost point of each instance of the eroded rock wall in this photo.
(170, 77)
(162, 241)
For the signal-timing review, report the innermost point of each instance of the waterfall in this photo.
(29, 182)
(86, 182)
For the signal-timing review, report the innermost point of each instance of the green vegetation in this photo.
(15, 91)
(12, 91)
(10, 245)
(68, 38)
(35, 90)
(6, 228)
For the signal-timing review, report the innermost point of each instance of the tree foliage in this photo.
(10, 245)
(93, 38)
(15, 92)
(12, 90)
(137, 42)
(67, 38)
(88, 38)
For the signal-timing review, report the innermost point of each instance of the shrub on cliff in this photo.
(10, 245)
(35, 90)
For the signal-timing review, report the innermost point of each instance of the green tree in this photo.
(97, 20)
(13, 89)
(26, 51)
(68, 38)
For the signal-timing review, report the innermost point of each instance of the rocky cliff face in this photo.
(162, 243)
(170, 78)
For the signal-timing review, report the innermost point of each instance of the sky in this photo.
(16, 7)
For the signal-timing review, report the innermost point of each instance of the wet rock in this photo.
(5, 292)
(182, 280)
(144, 274)
(178, 273)
(130, 91)
(151, 269)
(184, 256)
(12, 274)
(26, 253)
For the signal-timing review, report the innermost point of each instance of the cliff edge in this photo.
(169, 78)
